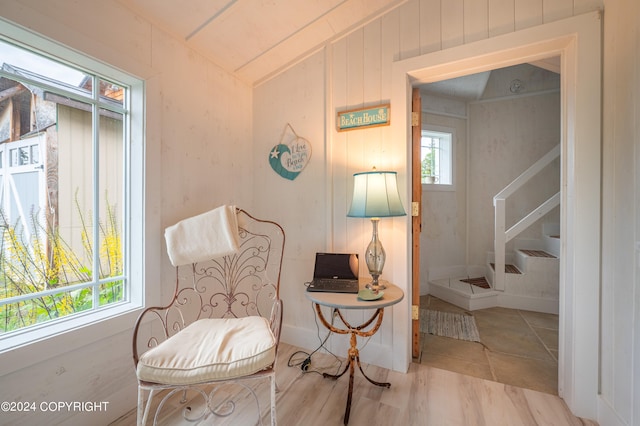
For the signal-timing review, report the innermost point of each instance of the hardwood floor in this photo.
(424, 396)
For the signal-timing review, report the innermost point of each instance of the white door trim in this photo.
(577, 41)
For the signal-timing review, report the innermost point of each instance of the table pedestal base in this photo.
(353, 354)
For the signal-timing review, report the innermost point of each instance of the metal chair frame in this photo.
(242, 284)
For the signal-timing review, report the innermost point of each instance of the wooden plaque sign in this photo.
(363, 117)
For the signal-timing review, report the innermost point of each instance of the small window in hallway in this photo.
(437, 157)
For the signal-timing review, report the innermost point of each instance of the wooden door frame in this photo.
(416, 219)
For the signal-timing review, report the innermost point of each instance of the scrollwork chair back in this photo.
(245, 284)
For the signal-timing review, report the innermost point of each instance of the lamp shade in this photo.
(375, 194)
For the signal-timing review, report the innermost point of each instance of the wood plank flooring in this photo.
(423, 396)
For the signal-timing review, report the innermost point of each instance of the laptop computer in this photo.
(335, 272)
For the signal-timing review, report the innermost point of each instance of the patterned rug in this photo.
(449, 324)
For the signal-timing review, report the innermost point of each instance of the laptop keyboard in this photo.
(334, 285)
(331, 282)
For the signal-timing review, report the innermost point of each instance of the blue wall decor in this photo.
(289, 159)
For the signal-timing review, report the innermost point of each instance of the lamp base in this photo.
(375, 257)
(375, 285)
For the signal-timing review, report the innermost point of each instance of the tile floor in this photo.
(518, 347)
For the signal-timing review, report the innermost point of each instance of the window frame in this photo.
(95, 324)
(440, 186)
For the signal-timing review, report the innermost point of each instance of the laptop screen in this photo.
(336, 265)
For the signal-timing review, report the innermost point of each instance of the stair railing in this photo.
(503, 235)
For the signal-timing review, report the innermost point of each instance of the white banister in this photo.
(529, 219)
(529, 173)
(503, 235)
(499, 244)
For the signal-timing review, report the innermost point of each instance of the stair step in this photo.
(478, 282)
(509, 269)
(538, 253)
(471, 298)
(464, 295)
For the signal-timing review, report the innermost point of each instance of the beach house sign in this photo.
(363, 117)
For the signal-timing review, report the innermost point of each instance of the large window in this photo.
(70, 192)
(437, 157)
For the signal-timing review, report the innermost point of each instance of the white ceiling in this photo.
(256, 39)
(533, 77)
(468, 87)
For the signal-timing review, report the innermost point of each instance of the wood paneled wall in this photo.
(359, 67)
(358, 73)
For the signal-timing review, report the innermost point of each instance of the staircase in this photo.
(531, 279)
(504, 235)
(526, 278)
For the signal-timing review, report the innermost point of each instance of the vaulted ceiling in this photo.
(256, 39)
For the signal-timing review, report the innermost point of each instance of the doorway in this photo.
(479, 133)
(573, 40)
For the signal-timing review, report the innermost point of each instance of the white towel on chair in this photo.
(203, 237)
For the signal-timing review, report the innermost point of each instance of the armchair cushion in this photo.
(209, 350)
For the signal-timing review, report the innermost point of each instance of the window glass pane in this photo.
(40, 69)
(429, 157)
(111, 184)
(14, 316)
(62, 232)
(75, 191)
(35, 154)
(112, 92)
(111, 292)
(437, 158)
(23, 156)
(14, 157)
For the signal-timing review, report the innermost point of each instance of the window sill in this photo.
(37, 345)
(437, 187)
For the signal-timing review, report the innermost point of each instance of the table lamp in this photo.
(375, 195)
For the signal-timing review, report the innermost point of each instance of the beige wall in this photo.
(505, 138)
(198, 156)
(443, 241)
(295, 97)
